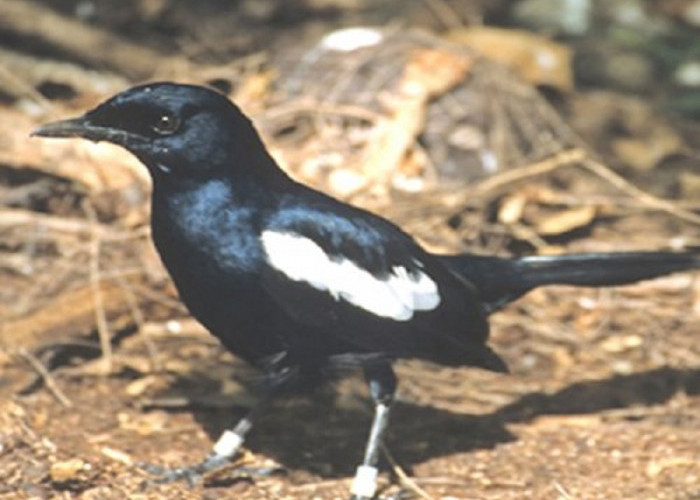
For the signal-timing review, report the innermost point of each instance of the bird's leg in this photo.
(382, 386)
(231, 440)
(225, 448)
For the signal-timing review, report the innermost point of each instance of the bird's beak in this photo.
(82, 127)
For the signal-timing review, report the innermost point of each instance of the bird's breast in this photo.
(213, 256)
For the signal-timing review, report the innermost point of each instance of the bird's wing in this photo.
(360, 278)
(352, 264)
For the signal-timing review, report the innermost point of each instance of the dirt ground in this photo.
(602, 403)
(101, 368)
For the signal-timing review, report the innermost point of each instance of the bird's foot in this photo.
(211, 465)
(401, 495)
(192, 474)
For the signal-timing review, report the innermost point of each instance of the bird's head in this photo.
(181, 131)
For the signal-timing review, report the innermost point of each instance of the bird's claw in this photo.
(194, 474)
(165, 475)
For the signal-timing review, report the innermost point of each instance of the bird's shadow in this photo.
(315, 435)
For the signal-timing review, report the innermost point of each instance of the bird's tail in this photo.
(500, 281)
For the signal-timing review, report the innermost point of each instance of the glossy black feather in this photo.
(217, 190)
(501, 281)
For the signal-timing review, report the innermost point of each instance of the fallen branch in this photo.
(83, 42)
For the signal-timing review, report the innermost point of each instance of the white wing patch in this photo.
(396, 296)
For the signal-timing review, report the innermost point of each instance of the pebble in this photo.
(688, 74)
(67, 469)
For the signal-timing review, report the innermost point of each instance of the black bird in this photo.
(296, 282)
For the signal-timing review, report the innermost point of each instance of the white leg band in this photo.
(228, 444)
(365, 483)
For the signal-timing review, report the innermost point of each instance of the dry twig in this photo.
(46, 377)
(445, 13)
(404, 479)
(645, 198)
(573, 157)
(140, 321)
(100, 314)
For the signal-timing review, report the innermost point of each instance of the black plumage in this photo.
(294, 281)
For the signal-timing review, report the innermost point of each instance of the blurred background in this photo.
(507, 127)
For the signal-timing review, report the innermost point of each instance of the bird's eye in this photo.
(165, 124)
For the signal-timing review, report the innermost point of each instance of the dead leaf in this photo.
(141, 385)
(690, 185)
(512, 208)
(432, 72)
(567, 220)
(646, 152)
(428, 73)
(536, 59)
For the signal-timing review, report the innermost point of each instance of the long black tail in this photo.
(500, 281)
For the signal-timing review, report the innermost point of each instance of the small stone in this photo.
(67, 469)
(688, 74)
